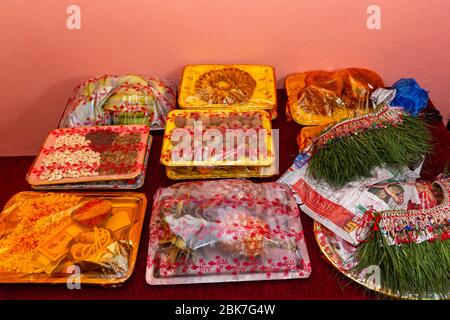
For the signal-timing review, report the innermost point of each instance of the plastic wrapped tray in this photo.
(120, 100)
(224, 172)
(85, 238)
(88, 154)
(321, 97)
(225, 230)
(217, 138)
(129, 184)
(185, 173)
(223, 86)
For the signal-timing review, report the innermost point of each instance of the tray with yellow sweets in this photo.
(84, 238)
(224, 172)
(217, 138)
(223, 86)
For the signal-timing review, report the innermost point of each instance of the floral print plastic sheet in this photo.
(127, 184)
(120, 100)
(225, 230)
(87, 154)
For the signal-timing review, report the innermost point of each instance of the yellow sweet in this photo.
(118, 221)
(73, 230)
(46, 264)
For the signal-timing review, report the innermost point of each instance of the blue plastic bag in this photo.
(410, 96)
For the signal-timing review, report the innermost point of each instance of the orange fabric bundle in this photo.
(322, 97)
(306, 136)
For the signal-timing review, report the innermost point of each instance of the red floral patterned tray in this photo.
(87, 154)
(225, 230)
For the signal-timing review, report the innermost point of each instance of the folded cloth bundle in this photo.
(322, 97)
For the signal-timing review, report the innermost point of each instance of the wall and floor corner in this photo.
(43, 59)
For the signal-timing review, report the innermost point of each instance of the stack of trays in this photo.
(106, 157)
(219, 143)
(228, 86)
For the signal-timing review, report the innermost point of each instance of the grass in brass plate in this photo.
(419, 268)
(383, 291)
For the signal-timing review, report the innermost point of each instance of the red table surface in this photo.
(324, 282)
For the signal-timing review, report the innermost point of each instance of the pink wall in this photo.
(42, 61)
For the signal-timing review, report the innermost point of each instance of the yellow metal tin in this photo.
(231, 78)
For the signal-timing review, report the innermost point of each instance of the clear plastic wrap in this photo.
(91, 154)
(226, 172)
(127, 184)
(321, 97)
(85, 238)
(223, 86)
(225, 230)
(120, 100)
(207, 138)
(221, 172)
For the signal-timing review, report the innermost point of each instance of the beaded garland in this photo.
(349, 150)
(415, 226)
(406, 226)
(381, 119)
